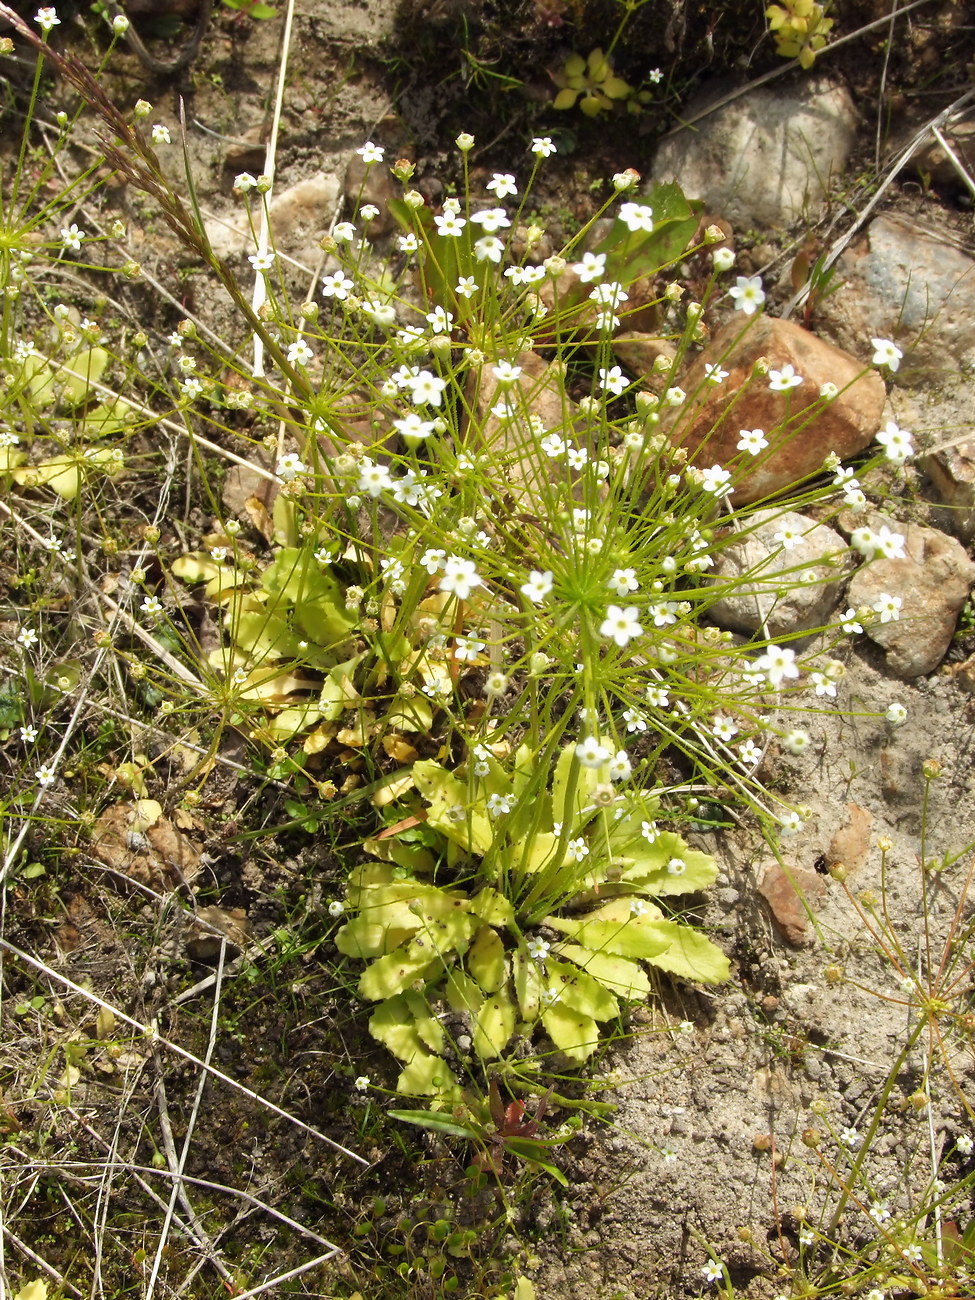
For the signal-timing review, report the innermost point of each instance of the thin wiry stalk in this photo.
(153, 1035)
(178, 1165)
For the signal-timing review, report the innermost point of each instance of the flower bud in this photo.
(142, 108)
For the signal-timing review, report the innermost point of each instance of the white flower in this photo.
(427, 388)
(637, 216)
(896, 442)
(849, 623)
(717, 481)
(964, 1144)
(538, 585)
(290, 466)
(542, 146)
(621, 624)
(27, 638)
(713, 374)
(449, 225)
(723, 259)
(787, 537)
(790, 823)
(879, 1212)
(47, 18)
(850, 1137)
(777, 663)
(505, 372)
(591, 753)
(823, 685)
(72, 236)
(538, 949)
(888, 607)
(613, 380)
(749, 753)
(440, 320)
(466, 286)
(373, 479)
(407, 243)
(797, 741)
(553, 445)
(592, 267)
(623, 581)
(299, 353)
(748, 294)
(491, 220)
(780, 381)
(752, 441)
(460, 577)
(371, 153)
(499, 804)
(638, 907)
(152, 607)
(160, 134)
(337, 285)
(433, 560)
(344, 232)
(712, 1271)
(576, 850)
(46, 773)
(886, 353)
(488, 249)
(467, 648)
(336, 908)
(502, 184)
(380, 313)
(243, 182)
(723, 728)
(649, 831)
(620, 767)
(413, 427)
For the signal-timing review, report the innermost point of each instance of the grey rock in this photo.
(766, 158)
(952, 472)
(905, 284)
(933, 581)
(773, 590)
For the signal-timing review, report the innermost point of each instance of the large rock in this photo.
(902, 283)
(801, 427)
(933, 581)
(952, 471)
(772, 590)
(766, 158)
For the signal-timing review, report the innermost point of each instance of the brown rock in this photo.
(788, 895)
(639, 352)
(932, 162)
(801, 428)
(933, 581)
(851, 843)
(539, 391)
(952, 471)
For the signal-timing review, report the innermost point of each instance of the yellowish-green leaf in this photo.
(290, 722)
(10, 458)
(36, 1290)
(688, 953)
(62, 473)
(565, 99)
(493, 908)
(463, 994)
(318, 598)
(428, 1076)
(485, 959)
(444, 792)
(580, 992)
(572, 1032)
(394, 972)
(568, 800)
(80, 373)
(494, 1026)
(265, 635)
(428, 1027)
(621, 976)
(365, 937)
(410, 714)
(392, 1025)
(612, 928)
(529, 986)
